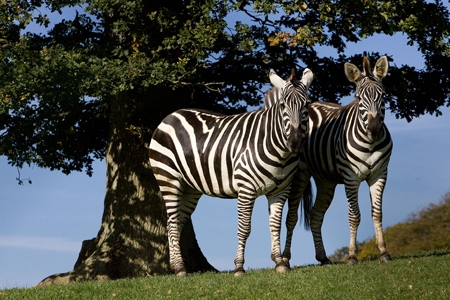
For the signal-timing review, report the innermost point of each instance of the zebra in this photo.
(195, 152)
(344, 145)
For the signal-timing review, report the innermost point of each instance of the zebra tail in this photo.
(307, 205)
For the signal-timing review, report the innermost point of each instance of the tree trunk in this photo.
(132, 241)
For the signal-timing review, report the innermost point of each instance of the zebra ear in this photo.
(307, 77)
(352, 72)
(381, 67)
(276, 80)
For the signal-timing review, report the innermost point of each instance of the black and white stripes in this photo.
(346, 145)
(195, 152)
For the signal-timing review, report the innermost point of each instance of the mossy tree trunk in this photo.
(132, 240)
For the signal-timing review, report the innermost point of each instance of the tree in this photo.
(95, 86)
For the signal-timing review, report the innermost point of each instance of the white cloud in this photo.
(41, 243)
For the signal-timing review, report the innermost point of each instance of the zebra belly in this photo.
(341, 172)
(351, 169)
(214, 186)
(276, 187)
(324, 168)
(269, 186)
(268, 180)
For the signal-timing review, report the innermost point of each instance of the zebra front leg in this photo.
(354, 218)
(275, 215)
(376, 196)
(245, 209)
(325, 194)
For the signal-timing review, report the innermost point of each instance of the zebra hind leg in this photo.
(178, 212)
(291, 221)
(174, 228)
(301, 187)
(325, 194)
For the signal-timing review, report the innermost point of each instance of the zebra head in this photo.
(293, 101)
(369, 92)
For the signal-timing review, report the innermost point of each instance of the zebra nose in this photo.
(374, 126)
(295, 139)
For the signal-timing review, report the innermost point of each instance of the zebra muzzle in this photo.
(295, 140)
(374, 126)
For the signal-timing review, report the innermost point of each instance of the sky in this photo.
(43, 224)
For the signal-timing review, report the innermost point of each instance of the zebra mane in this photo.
(270, 98)
(273, 94)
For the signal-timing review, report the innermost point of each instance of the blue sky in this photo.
(42, 225)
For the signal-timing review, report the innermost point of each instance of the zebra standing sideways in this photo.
(195, 152)
(345, 145)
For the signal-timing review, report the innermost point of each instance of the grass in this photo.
(417, 276)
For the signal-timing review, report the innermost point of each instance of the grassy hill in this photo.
(420, 276)
(429, 229)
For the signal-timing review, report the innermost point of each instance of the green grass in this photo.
(418, 276)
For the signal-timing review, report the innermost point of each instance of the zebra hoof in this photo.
(286, 262)
(181, 274)
(352, 260)
(385, 257)
(282, 269)
(325, 262)
(282, 266)
(239, 272)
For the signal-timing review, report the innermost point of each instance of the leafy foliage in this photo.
(57, 77)
(339, 255)
(429, 229)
